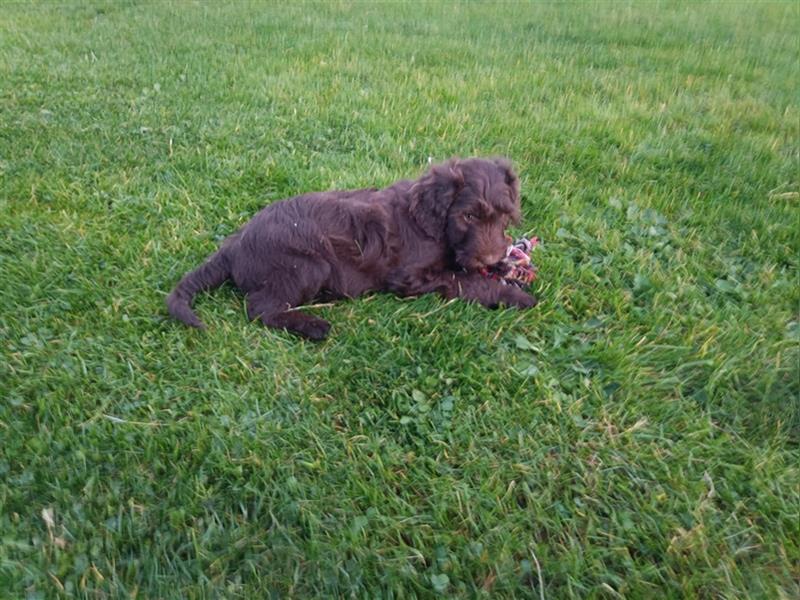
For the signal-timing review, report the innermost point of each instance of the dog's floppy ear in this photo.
(512, 181)
(432, 196)
(511, 177)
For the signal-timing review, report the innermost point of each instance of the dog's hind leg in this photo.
(275, 303)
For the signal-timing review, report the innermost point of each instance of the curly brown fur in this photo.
(413, 237)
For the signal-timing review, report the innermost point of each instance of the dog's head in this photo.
(468, 204)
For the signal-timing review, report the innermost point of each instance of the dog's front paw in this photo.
(515, 297)
(315, 329)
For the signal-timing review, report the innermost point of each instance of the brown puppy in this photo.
(414, 237)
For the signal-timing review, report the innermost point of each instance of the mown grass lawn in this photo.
(637, 434)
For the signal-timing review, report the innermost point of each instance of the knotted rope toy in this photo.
(516, 268)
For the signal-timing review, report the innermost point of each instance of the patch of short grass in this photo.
(636, 433)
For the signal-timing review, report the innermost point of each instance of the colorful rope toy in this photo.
(516, 268)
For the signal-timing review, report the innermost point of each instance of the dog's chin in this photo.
(469, 266)
(473, 264)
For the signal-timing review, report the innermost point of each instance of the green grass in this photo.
(637, 434)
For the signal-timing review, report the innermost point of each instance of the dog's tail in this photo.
(211, 274)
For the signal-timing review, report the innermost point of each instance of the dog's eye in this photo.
(469, 217)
